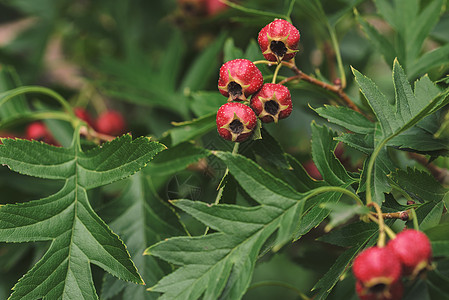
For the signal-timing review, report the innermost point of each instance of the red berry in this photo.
(272, 102)
(394, 292)
(235, 121)
(214, 7)
(279, 40)
(83, 115)
(239, 78)
(377, 269)
(413, 249)
(39, 132)
(111, 122)
(312, 170)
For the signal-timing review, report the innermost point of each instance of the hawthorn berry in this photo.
(111, 122)
(272, 102)
(393, 293)
(235, 121)
(377, 269)
(279, 40)
(413, 249)
(83, 115)
(239, 78)
(39, 132)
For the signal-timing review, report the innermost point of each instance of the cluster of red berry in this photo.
(378, 270)
(240, 78)
(110, 123)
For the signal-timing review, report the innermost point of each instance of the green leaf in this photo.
(9, 80)
(378, 39)
(230, 51)
(222, 263)
(420, 185)
(328, 281)
(430, 60)
(323, 147)
(440, 248)
(270, 150)
(342, 212)
(350, 235)
(189, 130)
(347, 118)
(175, 159)
(140, 217)
(409, 108)
(78, 236)
(203, 67)
(204, 102)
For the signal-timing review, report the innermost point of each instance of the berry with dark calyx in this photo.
(414, 251)
(235, 121)
(111, 122)
(272, 102)
(83, 115)
(393, 293)
(279, 40)
(39, 132)
(378, 270)
(239, 78)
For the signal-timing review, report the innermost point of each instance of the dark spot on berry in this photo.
(271, 107)
(235, 89)
(378, 288)
(236, 126)
(278, 48)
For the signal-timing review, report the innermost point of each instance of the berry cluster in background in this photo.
(109, 123)
(240, 78)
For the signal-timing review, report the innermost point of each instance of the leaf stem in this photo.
(388, 230)
(41, 90)
(370, 169)
(221, 185)
(325, 189)
(381, 240)
(36, 116)
(281, 284)
(290, 9)
(253, 11)
(276, 71)
(415, 219)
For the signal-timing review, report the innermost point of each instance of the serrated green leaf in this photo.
(430, 60)
(78, 236)
(222, 263)
(409, 108)
(420, 185)
(323, 147)
(141, 218)
(346, 117)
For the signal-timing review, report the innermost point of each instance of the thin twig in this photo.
(440, 174)
(337, 89)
